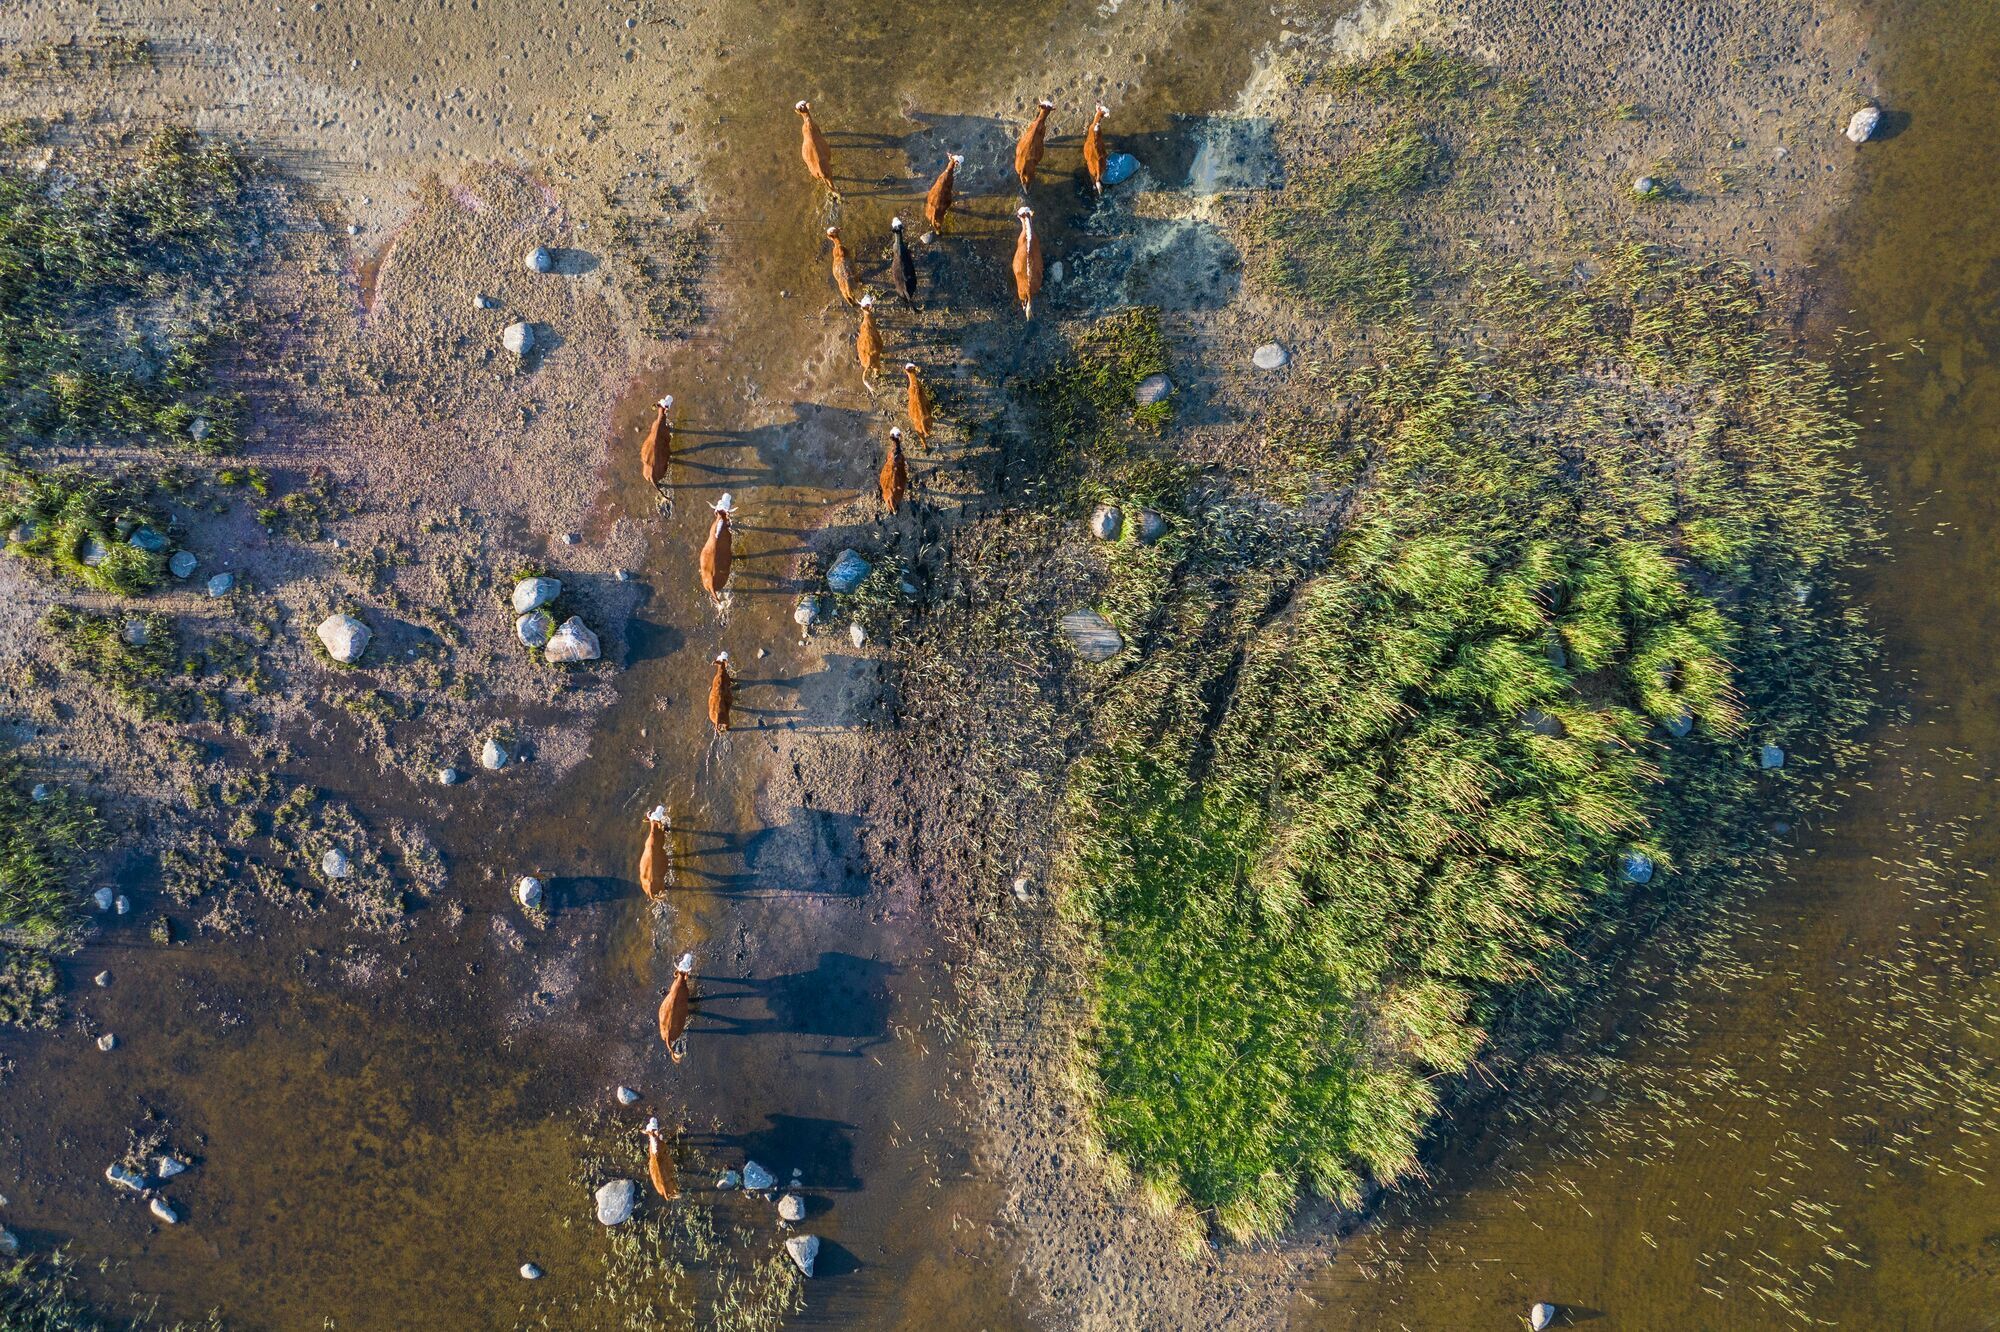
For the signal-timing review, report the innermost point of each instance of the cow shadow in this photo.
(844, 997)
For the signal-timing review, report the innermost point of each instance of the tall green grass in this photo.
(41, 843)
(1363, 808)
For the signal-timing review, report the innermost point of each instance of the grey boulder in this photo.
(1152, 389)
(1270, 356)
(1107, 522)
(518, 338)
(615, 1202)
(1861, 126)
(534, 593)
(803, 1250)
(848, 571)
(1093, 636)
(183, 563)
(535, 629)
(493, 755)
(344, 637)
(573, 642)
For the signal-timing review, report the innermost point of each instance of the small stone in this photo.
(166, 1167)
(135, 633)
(756, 1179)
(572, 642)
(532, 594)
(40, 792)
(847, 572)
(1270, 356)
(107, 1042)
(518, 338)
(1151, 526)
(449, 777)
(1541, 1315)
(571, 538)
(535, 628)
(1107, 522)
(102, 899)
(1644, 186)
(1023, 889)
(615, 1202)
(1541, 723)
(336, 864)
(1770, 756)
(1802, 592)
(220, 585)
(124, 1176)
(857, 635)
(730, 1180)
(539, 259)
(1093, 636)
(493, 755)
(1635, 867)
(479, 302)
(198, 429)
(529, 1272)
(763, 653)
(148, 540)
(182, 564)
(791, 1209)
(528, 892)
(102, 980)
(121, 905)
(803, 1251)
(344, 637)
(806, 614)
(1119, 168)
(163, 1209)
(10, 1243)
(354, 228)
(623, 575)
(1679, 725)
(626, 1096)
(1861, 126)
(94, 551)
(1152, 389)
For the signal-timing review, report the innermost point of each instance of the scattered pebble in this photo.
(763, 653)
(571, 538)
(803, 1251)
(730, 1180)
(529, 1272)
(757, 1179)
(1644, 186)
(1107, 522)
(102, 979)
(101, 899)
(623, 575)
(615, 1202)
(1152, 389)
(1861, 126)
(1093, 636)
(528, 892)
(163, 1209)
(572, 642)
(535, 629)
(1770, 756)
(448, 777)
(1635, 867)
(121, 905)
(1541, 1315)
(627, 1096)
(847, 572)
(791, 1209)
(1024, 889)
(10, 1243)
(107, 1042)
(518, 338)
(353, 229)
(493, 755)
(344, 637)
(1151, 526)
(540, 260)
(806, 614)
(166, 1167)
(857, 635)
(148, 540)
(534, 593)
(220, 585)
(481, 303)
(1270, 356)
(125, 1177)
(40, 792)
(336, 864)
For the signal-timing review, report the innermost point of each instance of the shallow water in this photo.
(1803, 1136)
(389, 1122)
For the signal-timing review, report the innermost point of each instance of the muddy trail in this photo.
(372, 1118)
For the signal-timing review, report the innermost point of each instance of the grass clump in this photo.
(1366, 809)
(41, 844)
(77, 524)
(1084, 407)
(42, 1295)
(1336, 236)
(130, 657)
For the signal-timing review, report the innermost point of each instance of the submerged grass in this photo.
(41, 844)
(1413, 756)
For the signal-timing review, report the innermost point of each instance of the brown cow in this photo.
(868, 344)
(1027, 262)
(843, 274)
(656, 451)
(660, 1165)
(1093, 148)
(812, 147)
(895, 475)
(920, 405)
(654, 858)
(937, 204)
(1028, 152)
(718, 553)
(721, 693)
(677, 1008)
